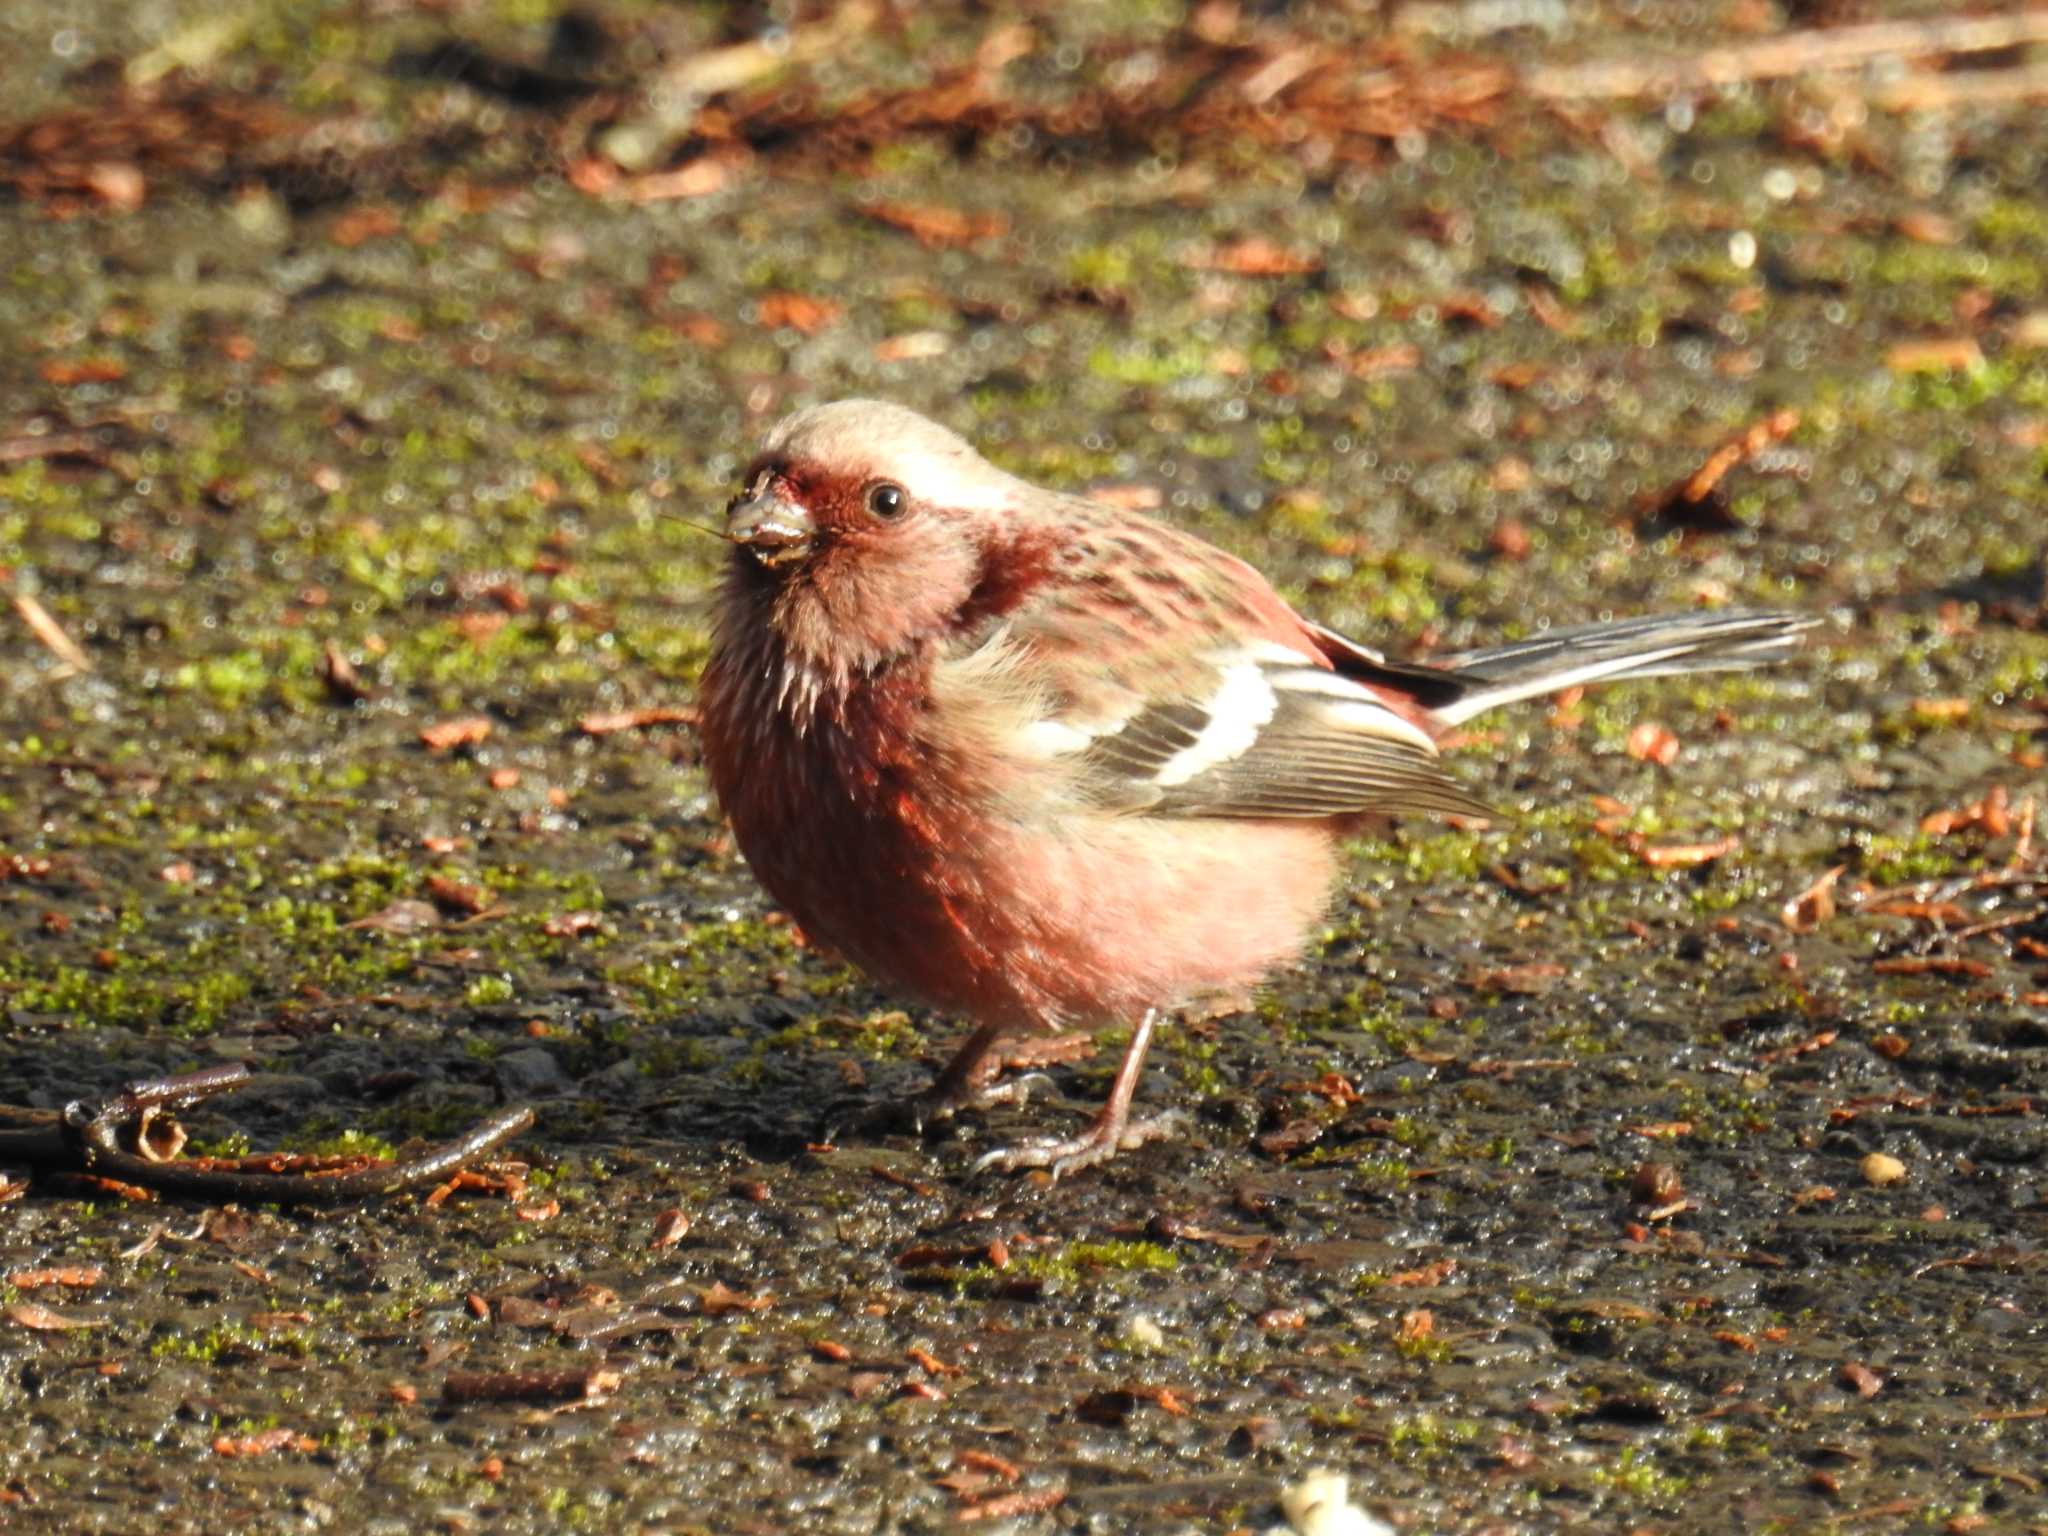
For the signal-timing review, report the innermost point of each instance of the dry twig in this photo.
(1816, 50)
(131, 1137)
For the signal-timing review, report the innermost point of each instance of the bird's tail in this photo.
(1626, 648)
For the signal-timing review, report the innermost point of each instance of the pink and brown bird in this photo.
(1057, 766)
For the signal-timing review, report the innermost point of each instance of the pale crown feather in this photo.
(887, 442)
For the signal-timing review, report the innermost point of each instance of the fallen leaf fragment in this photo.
(1131, 498)
(363, 224)
(986, 1461)
(1655, 1184)
(77, 1277)
(1798, 1048)
(42, 1319)
(634, 719)
(1652, 743)
(1927, 227)
(121, 186)
(505, 1179)
(722, 1298)
(1814, 905)
(1254, 256)
(406, 915)
(458, 896)
(936, 227)
(1991, 810)
(1428, 1275)
(670, 1228)
(449, 734)
(1682, 855)
(913, 346)
(1472, 308)
(696, 178)
(798, 311)
(1945, 711)
(1169, 1401)
(862, 1385)
(930, 1362)
(1510, 539)
(1530, 980)
(263, 1444)
(84, 370)
(1943, 354)
(1009, 1505)
(1415, 1326)
(1401, 357)
(1938, 965)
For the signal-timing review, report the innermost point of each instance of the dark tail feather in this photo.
(1626, 648)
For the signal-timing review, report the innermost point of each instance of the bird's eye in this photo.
(887, 501)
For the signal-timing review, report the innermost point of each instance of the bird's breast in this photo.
(857, 820)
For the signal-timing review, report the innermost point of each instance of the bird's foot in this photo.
(975, 1079)
(942, 1101)
(1105, 1136)
(938, 1104)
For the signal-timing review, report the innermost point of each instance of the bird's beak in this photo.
(771, 528)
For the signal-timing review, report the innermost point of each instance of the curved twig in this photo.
(131, 1136)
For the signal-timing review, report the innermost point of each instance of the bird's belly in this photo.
(1090, 919)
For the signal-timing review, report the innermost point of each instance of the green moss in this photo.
(210, 1345)
(352, 1142)
(1902, 860)
(1426, 1436)
(1149, 362)
(1635, 1472)
(490, 991)
(1079, 1259)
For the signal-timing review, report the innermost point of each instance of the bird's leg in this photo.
(1110, 1132)
(973, 1078)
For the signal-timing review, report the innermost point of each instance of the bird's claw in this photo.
(936, 1105)
(1013, 1091)
(1062, 1155)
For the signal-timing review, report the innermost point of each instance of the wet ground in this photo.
(1584, 1175)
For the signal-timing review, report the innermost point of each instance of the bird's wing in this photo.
(1267, 732)
(1173, 681)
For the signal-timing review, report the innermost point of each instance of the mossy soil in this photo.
(440, 430)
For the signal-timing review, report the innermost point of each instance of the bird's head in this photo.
(867, 528)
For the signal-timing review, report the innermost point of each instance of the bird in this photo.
(1058, 766)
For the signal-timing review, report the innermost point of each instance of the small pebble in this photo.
(1142, 1331)
(1881, 1168)
(1320, 1505)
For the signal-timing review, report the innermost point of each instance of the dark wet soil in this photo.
(1582, 1176)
